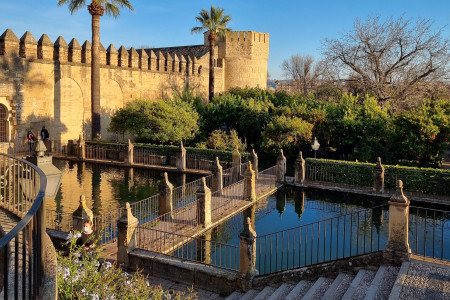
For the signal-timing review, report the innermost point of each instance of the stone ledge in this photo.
(187, 272)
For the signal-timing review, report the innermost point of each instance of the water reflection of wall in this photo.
(106, 188)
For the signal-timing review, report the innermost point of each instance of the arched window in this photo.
(3, 123)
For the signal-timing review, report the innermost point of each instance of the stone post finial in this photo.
(300, 169)
(397, 248)
(181, 158)
(281, 166)
(378, 177)
(247, 255)
(165, 195)
(217, 171)
(254, 160)
(203, 196)
(81, 214)
(40, 147)
(126, 237)
(249, 183)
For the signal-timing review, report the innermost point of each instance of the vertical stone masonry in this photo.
(165, 196)
(203, 196)
(378, 177)
(130, 152)
(143, 60)
(217, 176)
(86, 50)
(9, 43)
(112, 56)
(247, 256)
(281, 166)
(181, 158)
(254, 161)
(152, 61)
(133, 60)
(61, 50)
(249, 183)
(45, 48)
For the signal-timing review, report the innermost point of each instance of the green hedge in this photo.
(423, 180)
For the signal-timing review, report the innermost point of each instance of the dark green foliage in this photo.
(164, 121)
(422, 180)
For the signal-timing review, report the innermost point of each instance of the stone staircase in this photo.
(365, 285)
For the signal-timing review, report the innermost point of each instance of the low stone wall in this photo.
(201, 276)
(50, 287)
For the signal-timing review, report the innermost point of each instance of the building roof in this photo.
(196, 51)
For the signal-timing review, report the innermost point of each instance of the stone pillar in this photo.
(126, 235)
(81, 214)
(217, 176)
(130, 157)
(254, 161)
(203, 196)
(81, 148)
(397, 248)
(247, 256)
(300, 169)
(181, 158)
(236, 158)
(378, 177)
(281, 166)
(165, 196)
(249, 183)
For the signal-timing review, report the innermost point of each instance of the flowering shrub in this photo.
(85, 275)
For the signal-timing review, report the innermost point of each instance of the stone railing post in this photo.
(249, 183)
(378, 177)
(126, 238)
(203, 196)
(247, 255)
(300, 168)
(181, 158)
(236, 158)
(281, 166)
(254, 160)
(165, 196)
(397, 248)
(217, 176)
(130, 157)
(81, 148)
(81, 214)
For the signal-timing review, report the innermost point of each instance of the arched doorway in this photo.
(4, 124)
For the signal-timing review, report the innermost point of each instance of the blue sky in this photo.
(296, 26)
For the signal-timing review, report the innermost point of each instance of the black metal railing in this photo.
(353, 234)
(429, 232)
(200, 250)
(22, 194)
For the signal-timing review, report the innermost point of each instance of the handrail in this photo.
(33, 209)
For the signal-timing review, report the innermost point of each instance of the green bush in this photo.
(222, 140)
(82, 276)
(422, 180)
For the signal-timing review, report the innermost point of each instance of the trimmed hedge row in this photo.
(423, 180)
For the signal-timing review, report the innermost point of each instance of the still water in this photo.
(105, 187)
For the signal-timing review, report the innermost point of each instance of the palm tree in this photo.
(97, 8)
(215, 22)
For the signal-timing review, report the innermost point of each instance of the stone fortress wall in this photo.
(48, 83)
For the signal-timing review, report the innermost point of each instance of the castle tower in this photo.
(243, 56)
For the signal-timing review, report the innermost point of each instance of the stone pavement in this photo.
(425, 279)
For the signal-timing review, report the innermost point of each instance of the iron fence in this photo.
(59, 221)
(352, 174)
(199, 250)
(227, 199)
(429, 232)
(356, 233)
(105, 151)
(185, 193)
(146, 156)
(21, 249)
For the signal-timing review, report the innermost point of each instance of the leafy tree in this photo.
(392, 58)
(222, 140)
(215, 22)
(286, 133)
(97, 8)
(422, 133)
(164, 121)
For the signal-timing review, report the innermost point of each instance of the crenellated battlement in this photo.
(44, 49)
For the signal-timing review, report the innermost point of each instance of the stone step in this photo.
(359, 291)
(353, 285)
(339, 286)
(281, 292)
(375, 284)
(399, 281)
(319, 290)
(251, 294)
(234, 296)
(387, 283)
(265, 293)
(299, 290)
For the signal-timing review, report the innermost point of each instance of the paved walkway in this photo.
(425, 279)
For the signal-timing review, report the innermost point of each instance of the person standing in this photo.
(30, 139)
(45, 138)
